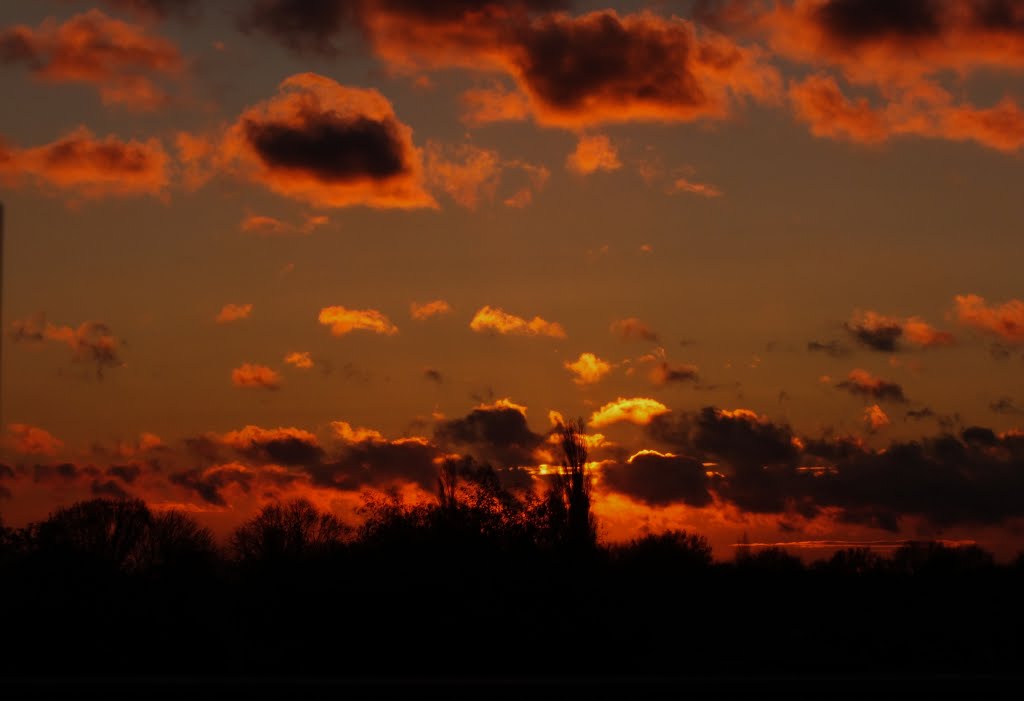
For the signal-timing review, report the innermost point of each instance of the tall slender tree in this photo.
(573, 486)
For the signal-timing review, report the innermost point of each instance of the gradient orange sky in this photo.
(263, 248)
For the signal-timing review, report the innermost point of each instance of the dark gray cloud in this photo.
(659, 480)
(492, 434)
(970, 479)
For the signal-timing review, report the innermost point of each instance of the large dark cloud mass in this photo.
(974, 478)
(330, 147)
(858, 20)
(315, 26)
(575, 69)
(659, 480)
(494, 434)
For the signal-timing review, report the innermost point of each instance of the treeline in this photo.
(483, 582)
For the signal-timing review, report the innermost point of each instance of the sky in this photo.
(769, 252)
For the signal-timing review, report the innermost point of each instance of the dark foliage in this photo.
(484, 583)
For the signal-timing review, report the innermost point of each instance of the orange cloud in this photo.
(32, 440)
(195, 153)
(467, 173)
(902, 50)
(999, 127)
(250, 437)
(300, 359)
(90, 341)
(503, 403)
(875, 418)
(922, 111)
(487, 105)
(521, 199)
(896, 43)
(494, 319)
(112, 55)
(632, 328)
(233, 312)
(588, 369)
(883, 333)
(269, 226)
(862, 382)
(253, 375)
(90, 167)
(694, 188)
(329, 145)
(1005, 320)
(349, 434)
(638, 410)
(421, 311)
(818, 101)
(593, 153)
(594, 68)
(924, 334)
(343, 321)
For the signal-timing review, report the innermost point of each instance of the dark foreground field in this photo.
(476, 592)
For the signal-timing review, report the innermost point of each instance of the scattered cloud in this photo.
(1005, 405)
(632, 328)
(88, 167)
(884, 333)
(593, 153)
(482, 106)
(343, 321)
(32, 440)
(467, 173)
(636, 410)
(588, 369)
(1005, 321)
(91, 342)
(832, 347)
(233, 312)
(258, 376)
(116, 57)
(663, 374)
(421, 311)
(875, 418)
(695, 188)
(269, 226)
(496, 320)
(299, 359)
(862, 382)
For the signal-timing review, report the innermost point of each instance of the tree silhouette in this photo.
(670, 551)
(288, 531)
(569, 499)
(176, 542)
(102, 532)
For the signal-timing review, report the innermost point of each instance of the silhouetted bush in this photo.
(935, 558)
(773, 559)
(852, 562)
(671, 551)
(285, 532)
(100, 532)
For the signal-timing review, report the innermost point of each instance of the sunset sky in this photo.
(259, 249)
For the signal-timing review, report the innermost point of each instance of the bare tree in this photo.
(111, 531)
(291, 530)
(572, 486)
